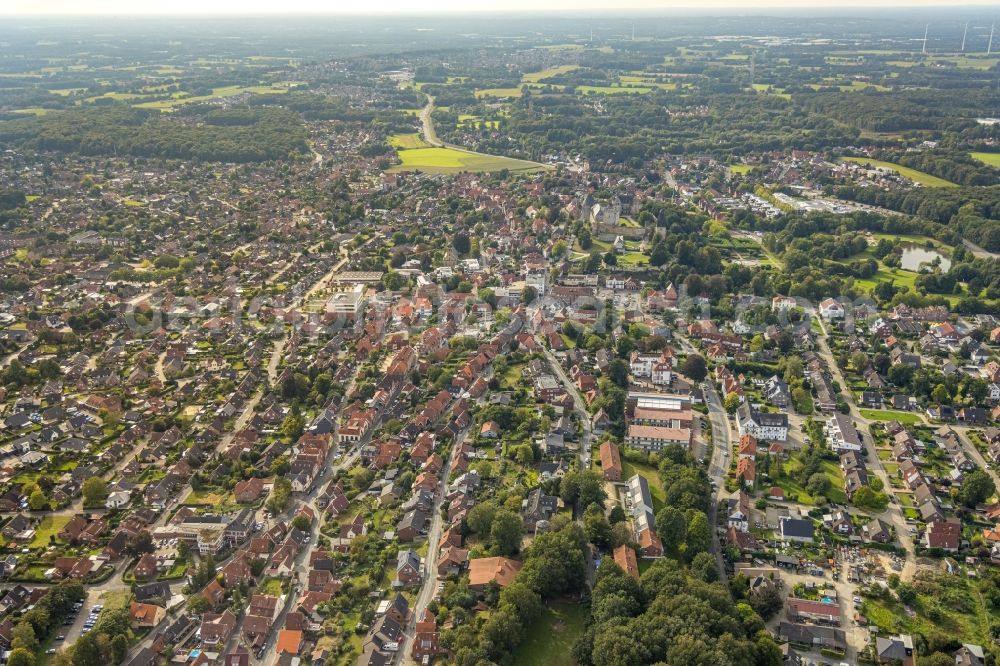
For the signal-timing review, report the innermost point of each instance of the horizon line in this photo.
(733, 6)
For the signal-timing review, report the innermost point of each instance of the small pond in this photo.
(914, 256)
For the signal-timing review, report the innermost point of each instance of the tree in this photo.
(198, 603)
(705, 567)
(818, 485)
(301, 523)
(23, 636)
(936, 659)
(140, 543)
(610, 258)
(976, 488)
(766, 601)
(461, 243)
(280, 494)
(618, 372)
(694, 367)
(671, 526)
(699, 536)
(21, 657)
(731, 403)
(582, 488)
(939, 394)
(480, 517)
(95, 491)
(596, 524)
(506, 531)
(38, 501)
(866, 497)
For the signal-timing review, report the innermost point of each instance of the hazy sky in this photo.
(423, 6)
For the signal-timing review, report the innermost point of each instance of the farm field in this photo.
(498, 92)
(771, 90)
(613, 90)
(991, 159)
(550, 639)
(918, 177)
(450, 160)
(227, 91)
(536, 77)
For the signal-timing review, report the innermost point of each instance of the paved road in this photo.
(429, 584)
(977, 457)
(717, 465)
(893, 513)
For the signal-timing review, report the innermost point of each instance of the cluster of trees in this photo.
(264, 134)
(969, 212)
(953, 165)
(670, 616)
(36, 625)
(501, 528)
(553, 565)
(903, 110)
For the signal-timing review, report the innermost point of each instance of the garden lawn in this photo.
(550, 639)
(270, 587)
(919, 177)
(906, 418)
(792, 487)
(450, 160)
(50, 526)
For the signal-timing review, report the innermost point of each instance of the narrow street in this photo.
(893, 513)
(718, 463)
(428, 585)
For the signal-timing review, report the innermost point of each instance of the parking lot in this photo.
(80, 621)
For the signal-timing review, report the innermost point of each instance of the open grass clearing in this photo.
(498, 92)
(537, 77)
(450, 160)
(918, 177)
(217, 93)
(906, 418)
(407, 141)
(550, 639)
(613, 90)
(50, 526)
(989, 159)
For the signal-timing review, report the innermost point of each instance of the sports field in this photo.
(919, 177)
(449, 160)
